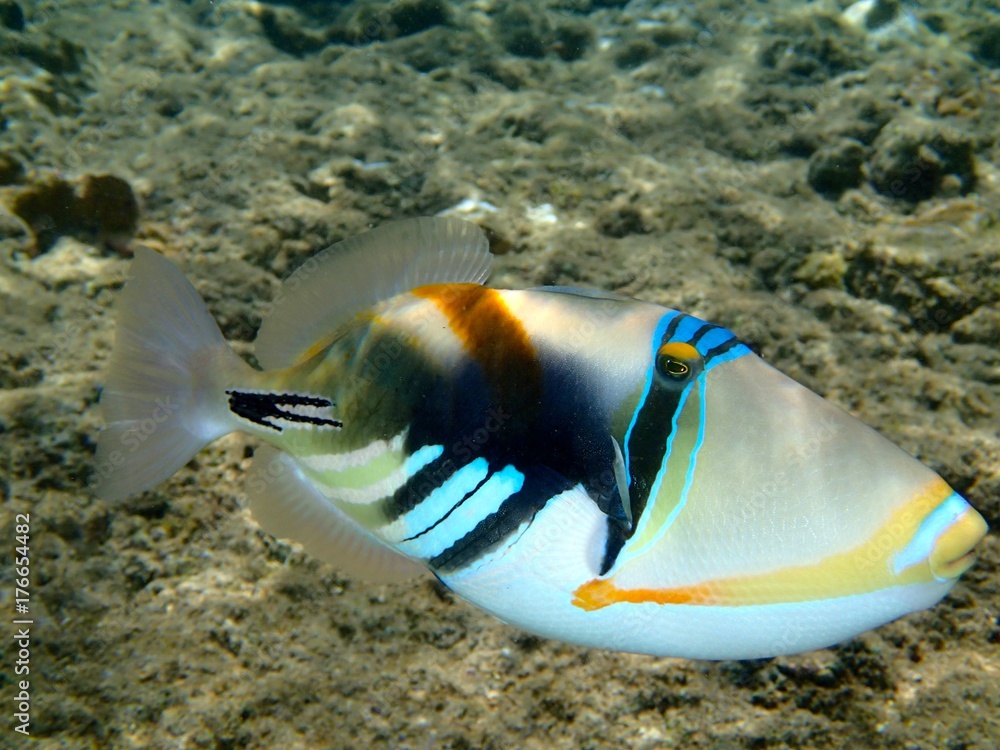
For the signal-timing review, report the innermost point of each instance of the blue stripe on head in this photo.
(715, 343)
(712, 337)
(733, 349)
(686, 329)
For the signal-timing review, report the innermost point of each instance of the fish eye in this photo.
(674, 368)
(676, 361)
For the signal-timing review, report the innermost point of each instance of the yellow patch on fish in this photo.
(861, 569)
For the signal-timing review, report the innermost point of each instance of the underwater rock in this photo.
(573, 39)
(672, 34)
(634, 53)
(878, 13)
(379, 23)
(523, 30)
(881, 20)
(288, 30)
(810, 48)
(915, 160)
(930, 288)
(284, 30)
(101, 208)
(56, 55)
(822, 270)
(108, 208)
(987, 49)
(47, 207)
(439, 47)
(836, 168)
(419, 15)
(982, 326)
(11, 170)
(11, 15)
(621, 220)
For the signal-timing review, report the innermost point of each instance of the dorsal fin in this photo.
(350, 276)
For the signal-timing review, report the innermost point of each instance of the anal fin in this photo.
(286, 505)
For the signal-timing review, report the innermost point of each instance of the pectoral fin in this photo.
(621, 480)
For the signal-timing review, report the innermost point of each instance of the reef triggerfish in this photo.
(583, 465)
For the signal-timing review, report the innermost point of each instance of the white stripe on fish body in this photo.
(309, 412)
(350, 477)
(336, 463)
(418, 323)
(613, 336)
(363, 476)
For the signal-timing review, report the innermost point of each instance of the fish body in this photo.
(583, 465)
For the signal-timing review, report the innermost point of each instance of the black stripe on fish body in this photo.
(417, 488)
(705, 329)
(647, 444)
(561, 436)
(721, 349)
(261, 408)
(539, 487)
(442, 411)
(563, 432)
(618, 534)
(462, 410)
(450, 510)
(648, 441)
(672, 327)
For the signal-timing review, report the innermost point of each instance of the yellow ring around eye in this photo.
(676, 359)
(680, 351)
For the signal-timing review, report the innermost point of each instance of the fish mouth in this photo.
(953, 552)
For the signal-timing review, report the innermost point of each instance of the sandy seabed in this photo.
(821, 180)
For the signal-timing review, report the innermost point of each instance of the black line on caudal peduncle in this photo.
(259, 408)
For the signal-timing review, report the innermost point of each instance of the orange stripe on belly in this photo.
(598, 594)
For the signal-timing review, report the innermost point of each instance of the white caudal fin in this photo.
(160, 399)
(351, 276)
(287, 505)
